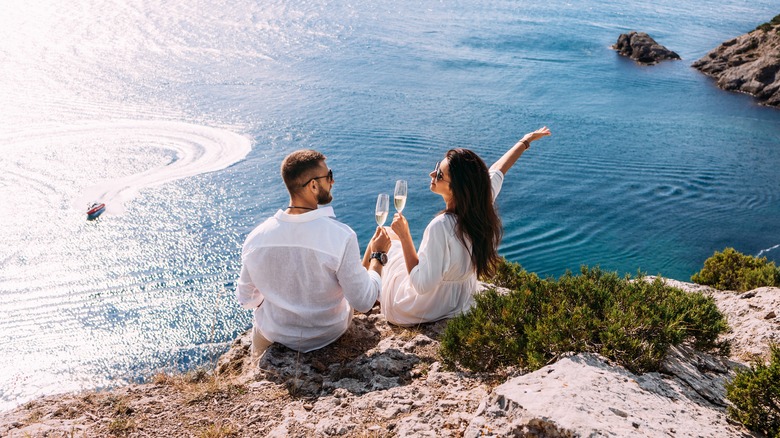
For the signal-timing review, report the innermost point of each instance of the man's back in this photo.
(305, 269)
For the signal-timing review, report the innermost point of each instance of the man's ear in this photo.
(313, 187)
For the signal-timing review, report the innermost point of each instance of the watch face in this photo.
(382, 257)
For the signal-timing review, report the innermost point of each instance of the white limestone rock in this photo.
(583, 395)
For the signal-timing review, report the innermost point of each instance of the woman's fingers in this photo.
(399, 224)
(539, 133)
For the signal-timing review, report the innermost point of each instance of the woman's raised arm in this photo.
(510, 157)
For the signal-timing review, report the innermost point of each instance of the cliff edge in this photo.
(381, 380)
(748, 63)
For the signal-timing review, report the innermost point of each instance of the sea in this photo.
(176, 114)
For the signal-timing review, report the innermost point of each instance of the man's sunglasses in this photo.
(329, 176)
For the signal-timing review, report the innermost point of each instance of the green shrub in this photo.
(631, 322)
(511, 276)
(755, 395)
(766, 27)
(732, 270)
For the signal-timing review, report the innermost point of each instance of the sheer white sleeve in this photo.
(361, 288)
(246, 292)
(434, 258)
(496, 182)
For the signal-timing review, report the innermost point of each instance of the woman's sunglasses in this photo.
(438, 173)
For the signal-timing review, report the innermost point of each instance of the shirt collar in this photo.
(305, 217)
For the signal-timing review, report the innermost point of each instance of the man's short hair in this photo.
(298, 165)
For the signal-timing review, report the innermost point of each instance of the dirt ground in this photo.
(377, 380)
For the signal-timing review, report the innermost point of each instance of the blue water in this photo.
(648, 168)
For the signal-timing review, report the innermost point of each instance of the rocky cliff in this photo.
(380, 380)
(748, 63)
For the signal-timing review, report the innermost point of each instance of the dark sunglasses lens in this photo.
(330, 175)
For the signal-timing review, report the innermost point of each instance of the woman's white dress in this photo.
(443, 282)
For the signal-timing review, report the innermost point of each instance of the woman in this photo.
(458, 245)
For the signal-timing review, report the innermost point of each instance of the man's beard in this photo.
(324, 198)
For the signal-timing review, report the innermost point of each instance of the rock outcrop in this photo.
(642, 48)
(584, 395)
(381, 380)
(752, 317)
(749, 63)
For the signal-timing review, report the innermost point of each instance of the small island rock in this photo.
(642, 48)
(748, 64)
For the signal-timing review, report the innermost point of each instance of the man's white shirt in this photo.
(305, 274)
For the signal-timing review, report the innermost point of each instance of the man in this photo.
(301, 269)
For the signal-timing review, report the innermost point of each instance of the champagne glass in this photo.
(382, 208)
(400, 195)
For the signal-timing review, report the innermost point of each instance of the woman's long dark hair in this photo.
(477, 220)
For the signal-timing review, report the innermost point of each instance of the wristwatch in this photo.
(381, 256)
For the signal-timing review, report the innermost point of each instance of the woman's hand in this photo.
(510, 157)
(381, 241)
(536, 135)
(401, 228)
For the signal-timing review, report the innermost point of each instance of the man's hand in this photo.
(381, 241)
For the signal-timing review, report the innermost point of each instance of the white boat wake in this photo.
(197, 149)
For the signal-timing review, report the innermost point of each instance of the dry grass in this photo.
(405, 333)
(120, 413)
(199, 385)
(121, 426)
(34, 416)
(218, 431)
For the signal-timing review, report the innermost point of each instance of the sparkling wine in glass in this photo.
(400, 195)
(382, 208)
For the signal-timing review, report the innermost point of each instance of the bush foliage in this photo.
(631, 322)
(755, 395)
(766, 27)
(732, 270)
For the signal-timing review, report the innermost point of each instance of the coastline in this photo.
(748, 64)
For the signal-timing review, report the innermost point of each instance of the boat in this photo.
(95, 210)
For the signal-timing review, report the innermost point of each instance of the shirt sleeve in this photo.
(361, 287)
(496, 182)
(434, 258)
(249, 297)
